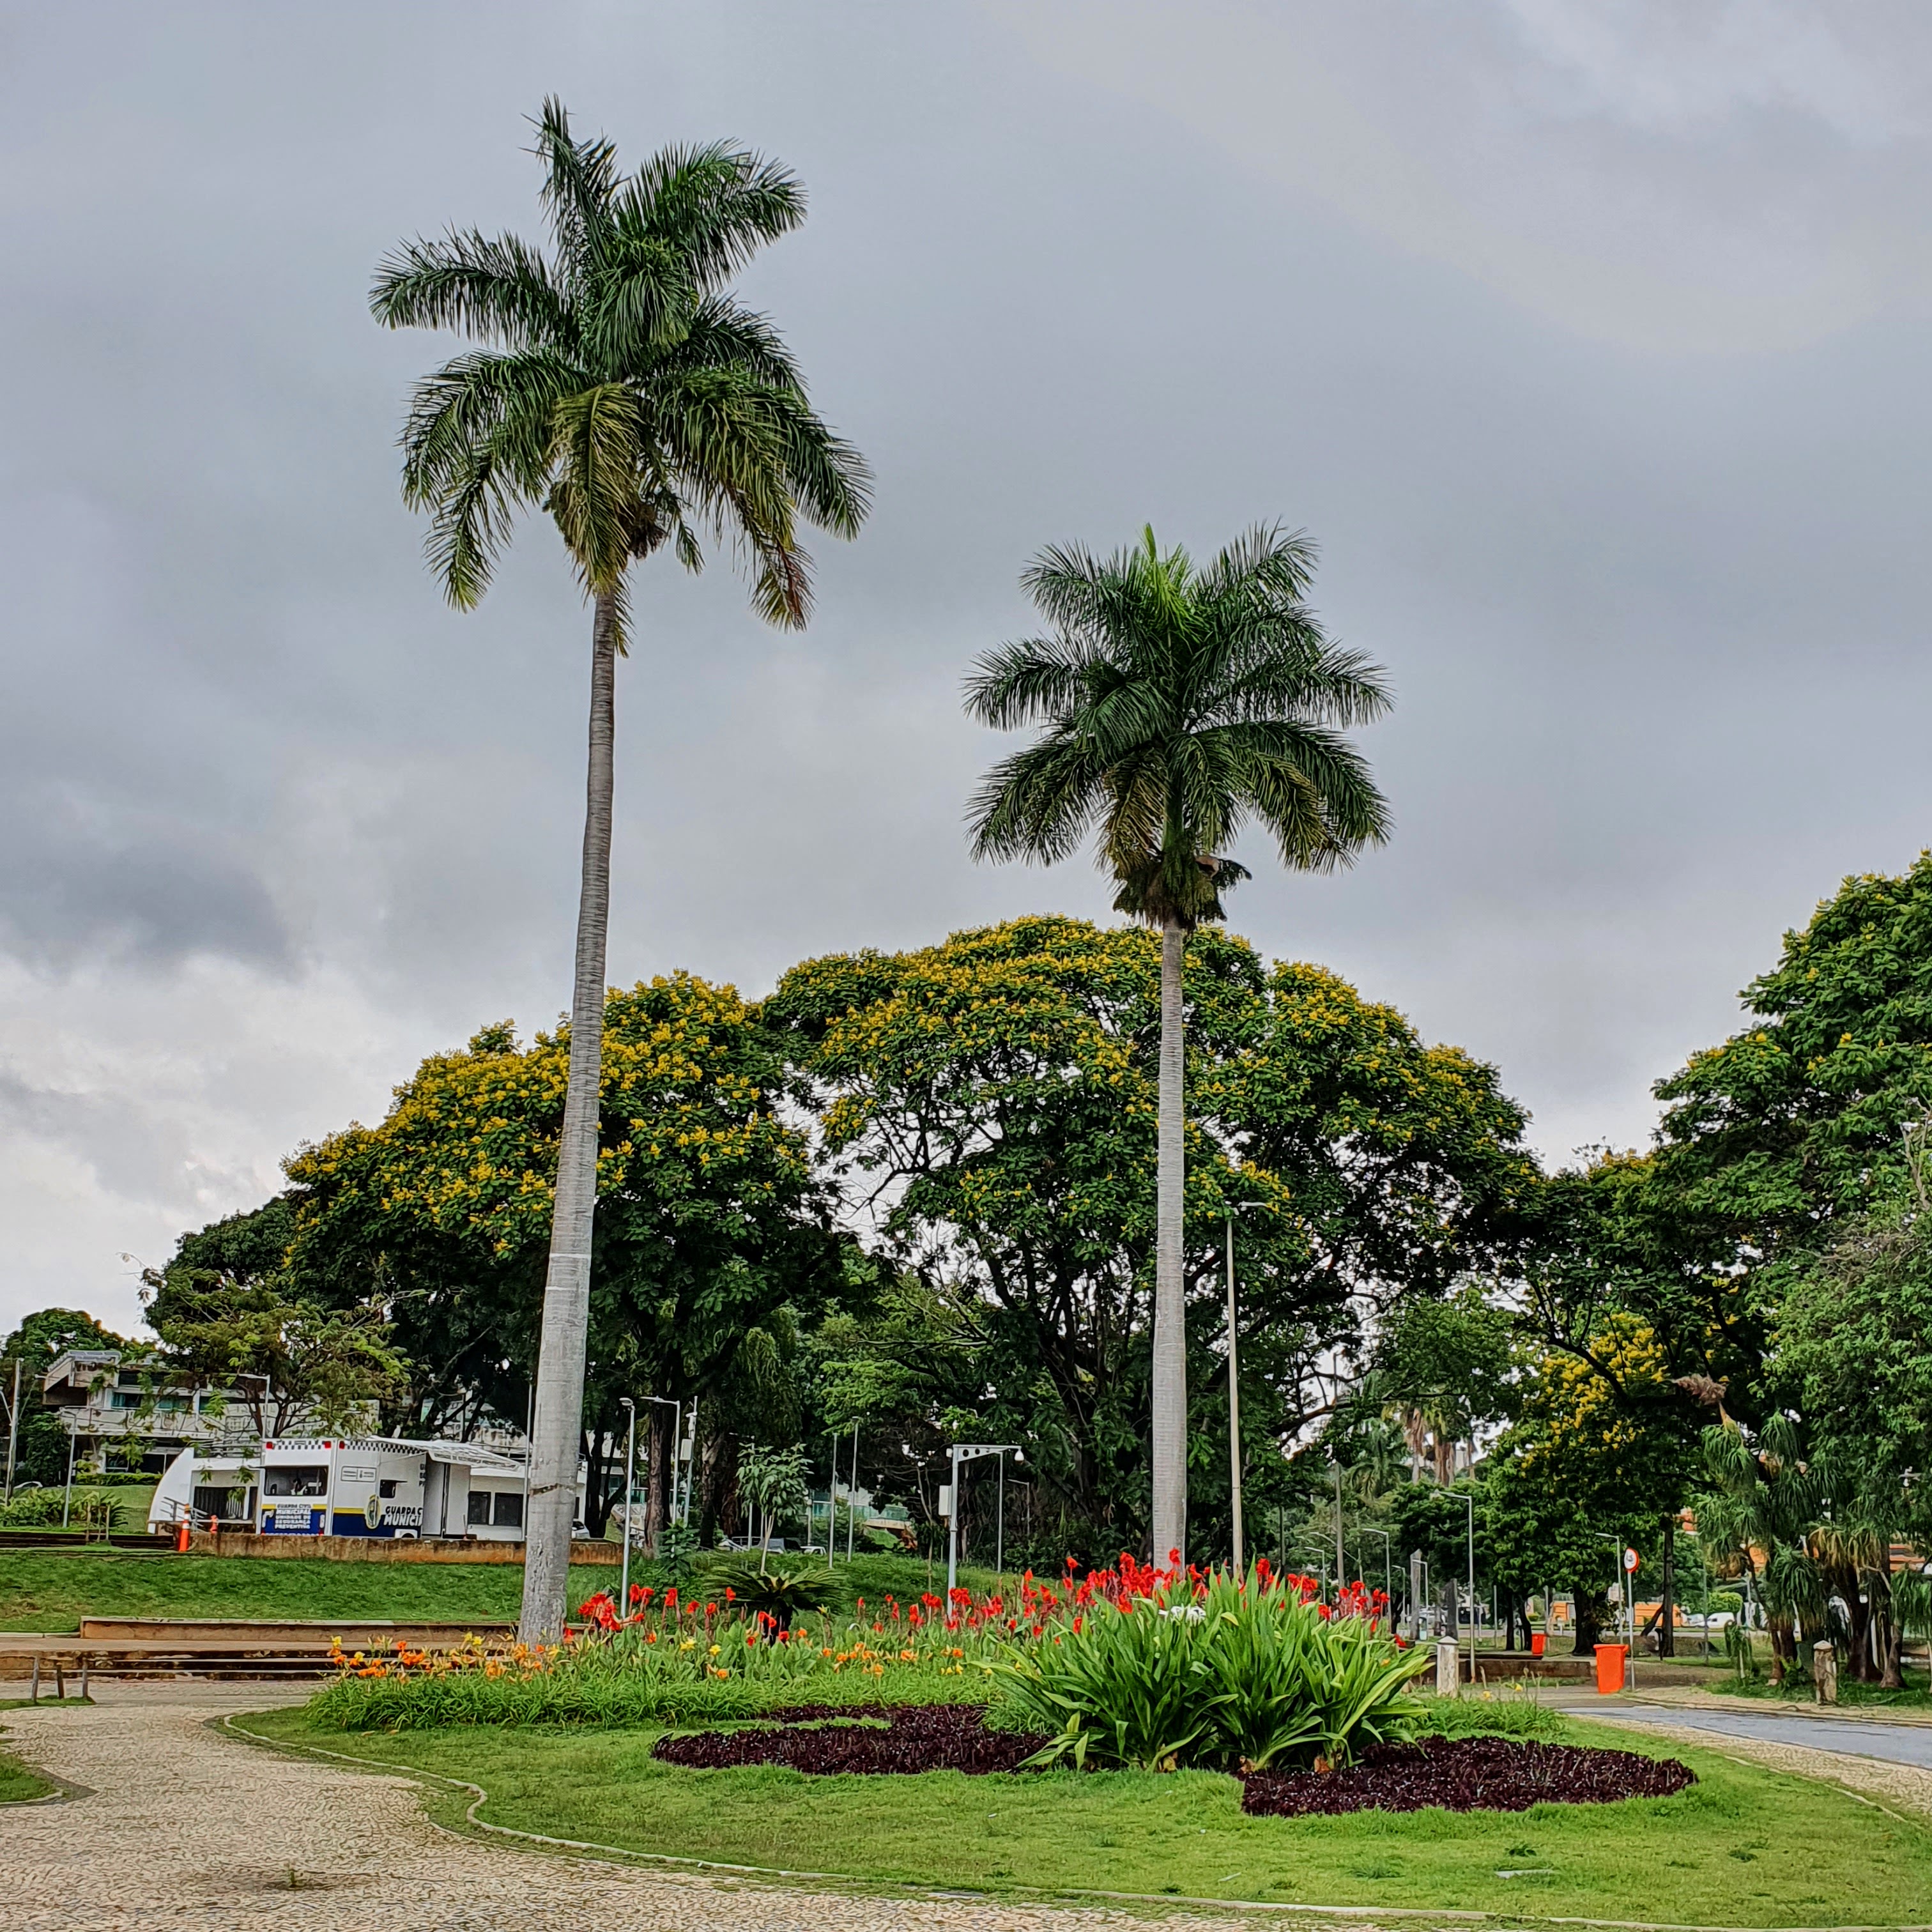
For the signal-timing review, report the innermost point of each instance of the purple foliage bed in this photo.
(1465, 1775)
(890, 1737)
(1482, 1774)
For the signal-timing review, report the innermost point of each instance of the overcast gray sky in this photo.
(1587, 338)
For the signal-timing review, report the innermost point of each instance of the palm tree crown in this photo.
(1177, 703)
(626, 391)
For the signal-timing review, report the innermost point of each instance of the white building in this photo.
(377, 1485)
(130, 1413)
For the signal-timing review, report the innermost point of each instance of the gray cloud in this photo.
(1587, 342)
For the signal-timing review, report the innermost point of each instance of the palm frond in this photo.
(1019, 683)
(717, 205)
(1036, 804)
(595, 461)
(475, 450)
(497, 288)
(579, 183)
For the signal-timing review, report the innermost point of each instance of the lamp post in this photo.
(630, 1489)
(1233, 1402)
(1388, 1575)
(1704, 1574)
(12, 1427)
(1341, 1555)
(964, 1452)
(1469, 1499)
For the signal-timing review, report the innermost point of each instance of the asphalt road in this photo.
(1892, 1744)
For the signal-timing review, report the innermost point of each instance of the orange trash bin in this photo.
(1610, 1658)
(1536, 1642)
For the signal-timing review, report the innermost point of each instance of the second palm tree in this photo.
(1177, 702)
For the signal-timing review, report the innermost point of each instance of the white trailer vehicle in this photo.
(350, 1486)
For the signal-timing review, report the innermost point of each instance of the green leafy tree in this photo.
(1177, 704)
(40, 1446)
(286, 1363)
(992, 1103)
(1771, 1142)
(772, 1481)
(1600, 1455)
(625, 392)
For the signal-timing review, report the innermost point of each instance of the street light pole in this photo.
(1388, 1575)
(630, 1490)
(1341, 1555)
(677, 1431)
(965, 1452)
(1469, 1498)
(13, 1428)
(1233, 1405)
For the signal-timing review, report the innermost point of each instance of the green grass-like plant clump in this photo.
(1228, 1671)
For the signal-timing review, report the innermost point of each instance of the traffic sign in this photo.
(1629, 1562)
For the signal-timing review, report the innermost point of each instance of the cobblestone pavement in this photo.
(181, 1830)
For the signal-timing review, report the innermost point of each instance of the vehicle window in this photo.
(509, 1510)
(479, 1506)
(296, 1479)
(386, 1487)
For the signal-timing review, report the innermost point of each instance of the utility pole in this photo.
(1341, 1557)
(14, 1430)
(630, 1491)
(1233, 1405)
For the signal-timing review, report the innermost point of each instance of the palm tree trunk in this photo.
(1170, 1313)
(566, 1305)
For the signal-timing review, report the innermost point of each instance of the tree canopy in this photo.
(990, 1103)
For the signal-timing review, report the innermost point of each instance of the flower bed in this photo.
(1470, 1774)
(885, 1738)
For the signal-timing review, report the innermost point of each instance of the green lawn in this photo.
(53, 1590)
(1743, 1847)
(17, 1783)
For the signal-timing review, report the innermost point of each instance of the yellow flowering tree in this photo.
(991, 1105)
(710, 1227)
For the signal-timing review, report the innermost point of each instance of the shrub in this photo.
(778, 1597)
(1241, 1673)
(41, 1509)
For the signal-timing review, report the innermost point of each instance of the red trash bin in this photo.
(1536, 1642)
(1610, 1658)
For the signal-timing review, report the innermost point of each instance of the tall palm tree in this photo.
(624, 391)
(1177, 702)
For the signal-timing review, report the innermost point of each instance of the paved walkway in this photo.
(181, 1830)
(1859, 1737)
(1890, 1763)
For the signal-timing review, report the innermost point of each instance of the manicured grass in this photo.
(1797, 1689)
(17, 1783)
(1743, 1847)
(53, 1590)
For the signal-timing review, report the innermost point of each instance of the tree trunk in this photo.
(657, 1452)
(1666, 1628)
(1587, 1599)
(1170, 1312)
(566, 1303)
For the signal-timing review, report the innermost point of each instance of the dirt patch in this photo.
(1465, 1775)
(870, 1738)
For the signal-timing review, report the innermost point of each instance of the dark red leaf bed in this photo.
(889, 1738)
(1465, 1775)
